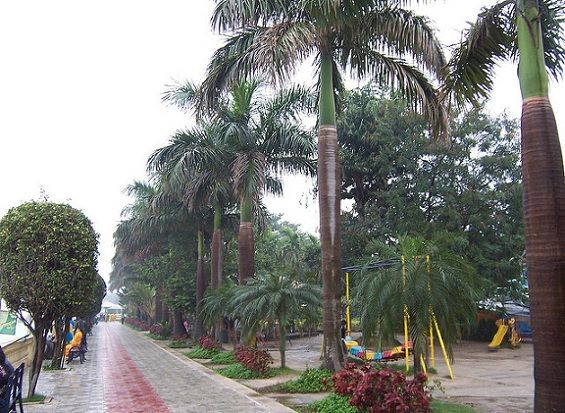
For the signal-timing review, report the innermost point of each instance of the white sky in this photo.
(80, 98)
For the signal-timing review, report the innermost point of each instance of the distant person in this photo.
(343, 329)
(6, 369)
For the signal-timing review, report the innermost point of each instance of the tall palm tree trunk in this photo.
(159, 316)
(544, 215)
(282, 340)
(200, 286)
(245, 241)
(216, 249)
(329, 183)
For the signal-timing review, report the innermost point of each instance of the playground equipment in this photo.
(361, 352)
(404, 350)
(505, 328)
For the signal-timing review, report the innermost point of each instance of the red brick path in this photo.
(126, 390)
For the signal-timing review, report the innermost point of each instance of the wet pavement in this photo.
(126, 372)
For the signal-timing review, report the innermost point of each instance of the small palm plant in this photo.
(273, 297)
(442, 286)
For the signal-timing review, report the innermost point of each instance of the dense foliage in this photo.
(467, 195)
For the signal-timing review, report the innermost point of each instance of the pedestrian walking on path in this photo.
(126, 372)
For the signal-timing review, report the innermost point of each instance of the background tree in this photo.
(48, 256)
(467, 196)
(531, 30)
(274, 37)
(195, 163)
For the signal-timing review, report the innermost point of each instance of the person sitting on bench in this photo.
(76, 344)
(6, 370)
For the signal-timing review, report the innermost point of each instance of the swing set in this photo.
(400, 351)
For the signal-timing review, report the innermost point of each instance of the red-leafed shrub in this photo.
(208, 343)
(137, 323)
(382, 391)
(346, 380)
(156, 329)
(254, 359)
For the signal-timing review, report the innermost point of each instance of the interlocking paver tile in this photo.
(126, 372)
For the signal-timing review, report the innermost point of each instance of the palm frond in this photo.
(410, 82)
(271, 52)
(236, 14)
(398, 31)
(184, 96)
(470, 71)
(552, 19)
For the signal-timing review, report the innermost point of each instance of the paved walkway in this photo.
(125, 372)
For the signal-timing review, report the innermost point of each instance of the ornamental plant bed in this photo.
(201, 353)
(254, 359)
(237, 371)
(309, 381)
(382, 391)
(224, 357)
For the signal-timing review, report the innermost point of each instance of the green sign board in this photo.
(7, 323)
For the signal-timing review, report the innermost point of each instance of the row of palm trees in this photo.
(226, 163)
(381, 40)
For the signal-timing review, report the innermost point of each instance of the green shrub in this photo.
(309, 381)
(180, 344)
(201, 353)
(237, 371)
(224, 357)
(332, 404)
(156, 336)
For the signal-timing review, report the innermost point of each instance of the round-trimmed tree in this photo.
(48, 258)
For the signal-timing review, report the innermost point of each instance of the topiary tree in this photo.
(48, 258)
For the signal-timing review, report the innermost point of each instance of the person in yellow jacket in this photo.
(75, 342)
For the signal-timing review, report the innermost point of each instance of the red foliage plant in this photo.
(156, 329)
(208, 343)
(137, 323)
(382, 391)
(254, 359)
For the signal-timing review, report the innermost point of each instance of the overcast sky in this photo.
(80, 98)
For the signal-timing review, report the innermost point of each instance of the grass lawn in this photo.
(440, 406)
(36, 398)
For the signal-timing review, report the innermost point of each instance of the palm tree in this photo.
(136, 238)
(259, 138)
(273, 37)
(273, 297)
(531, 29)
(195, 161)
(157, 213)
(442, 286)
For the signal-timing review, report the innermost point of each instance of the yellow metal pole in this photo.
(442, 347)
(347, 304)
(432, 355)
(432, 350)
(406, 351)
(423, 364)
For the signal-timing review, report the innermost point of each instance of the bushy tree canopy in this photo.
(48, 256)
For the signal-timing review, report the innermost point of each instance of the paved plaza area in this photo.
(126, 372)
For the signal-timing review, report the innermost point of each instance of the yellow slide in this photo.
(498, 337)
